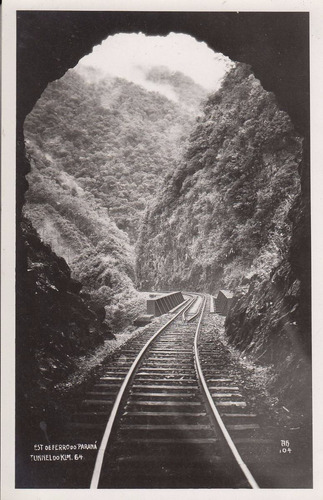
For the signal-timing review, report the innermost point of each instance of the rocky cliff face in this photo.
(266, 325)
(56, 325)
(225, 219)
(62, 325)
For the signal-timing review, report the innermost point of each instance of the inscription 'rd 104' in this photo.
(285, 446)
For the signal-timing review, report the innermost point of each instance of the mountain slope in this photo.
(114, 136)
(223, 213)
(187, 92)
(81, 231)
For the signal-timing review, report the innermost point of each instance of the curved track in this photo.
(164, 430)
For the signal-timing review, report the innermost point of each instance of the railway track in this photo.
(154, 407)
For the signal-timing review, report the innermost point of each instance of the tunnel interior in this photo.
(275, 46)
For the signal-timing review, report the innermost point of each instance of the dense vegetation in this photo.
(222, 215)
(81, 231)
(115, 137)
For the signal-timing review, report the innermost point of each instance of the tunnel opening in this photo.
(101, 140)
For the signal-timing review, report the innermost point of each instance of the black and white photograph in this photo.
(161, 329)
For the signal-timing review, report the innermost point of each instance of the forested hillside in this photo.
(222, 215)
(81, 231)
(190, 96)
(115, 137)
(224, 220)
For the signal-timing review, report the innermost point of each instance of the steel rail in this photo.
(251, 480)
(197, 313)
(113, 414)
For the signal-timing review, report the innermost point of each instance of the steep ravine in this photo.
(224, 220)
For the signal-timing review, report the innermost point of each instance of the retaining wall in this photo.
(164, 303)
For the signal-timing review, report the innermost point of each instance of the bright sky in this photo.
(123, 54)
